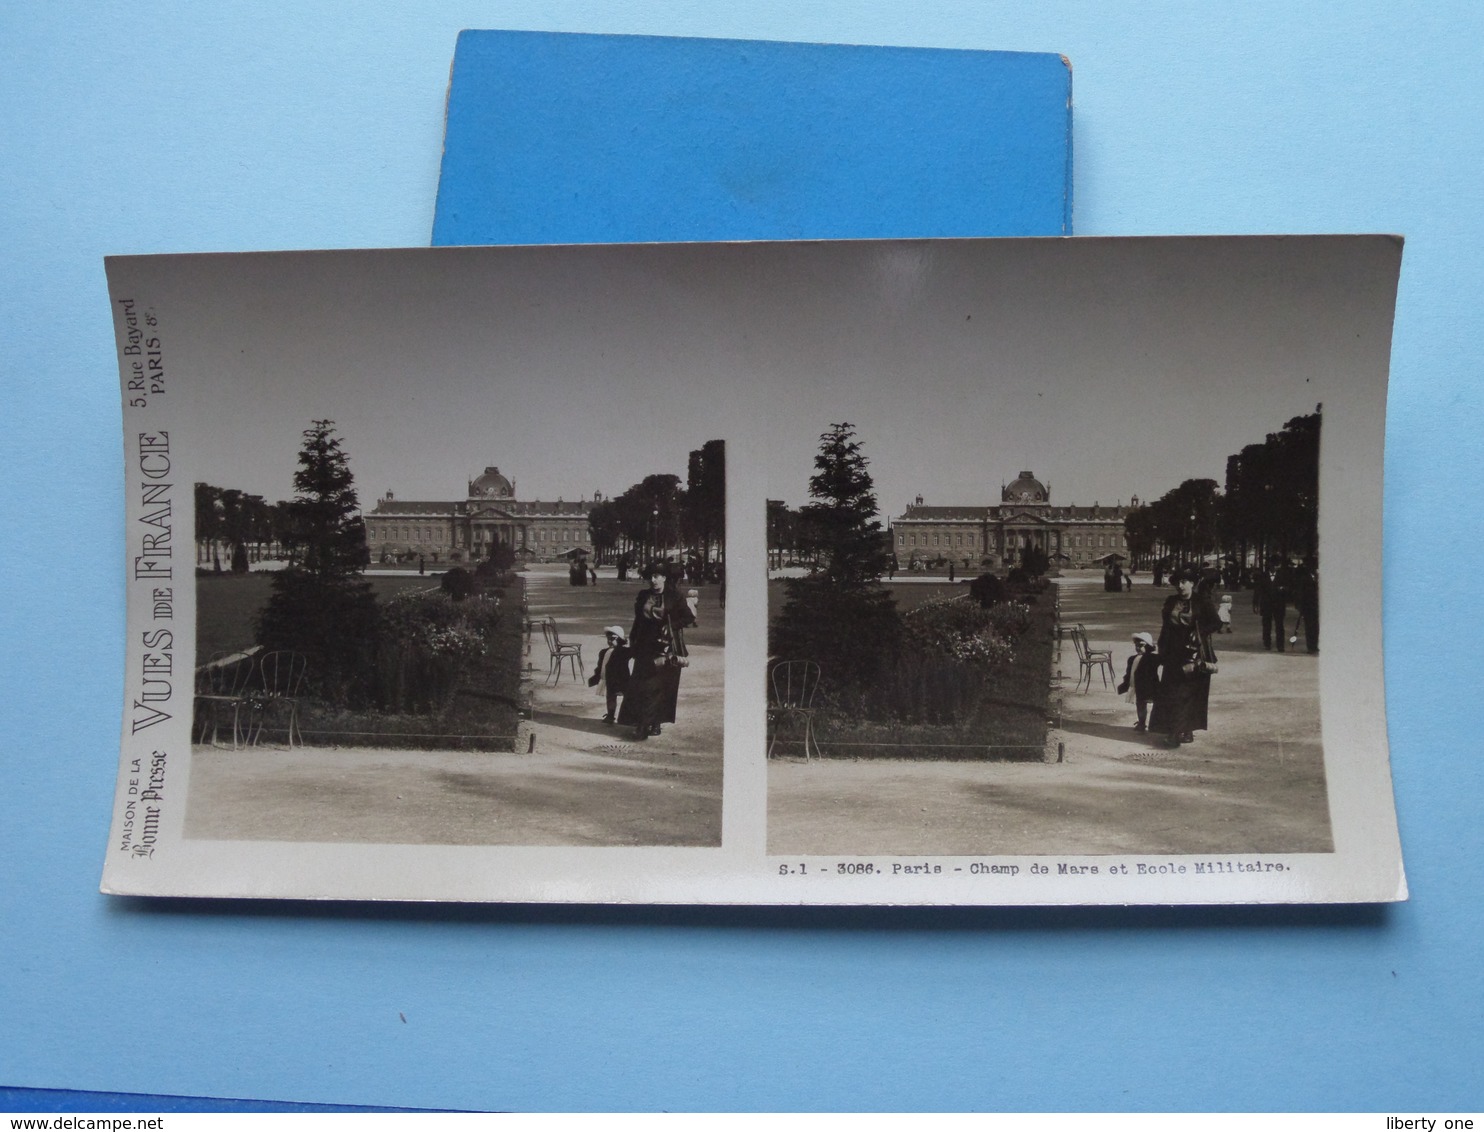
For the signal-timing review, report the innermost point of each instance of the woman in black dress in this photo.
(657, 643)
(1188, 659)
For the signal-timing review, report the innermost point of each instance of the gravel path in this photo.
(1253, 783)
(583, 784)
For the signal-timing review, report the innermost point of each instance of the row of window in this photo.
(1104, 541)
(431, 535)
(437, 536)
(911, 540)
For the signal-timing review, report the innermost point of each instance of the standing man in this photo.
(1270, 598)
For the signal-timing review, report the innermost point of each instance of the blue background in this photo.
(558, 138)
(150, 127)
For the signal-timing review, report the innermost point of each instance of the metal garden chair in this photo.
(794, 683)
(1090, 658)
(560, 652)
(224, 684)
(282, 680)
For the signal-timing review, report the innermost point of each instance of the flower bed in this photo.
(965, 682)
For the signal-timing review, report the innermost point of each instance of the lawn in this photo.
(227, 604)
(483, 714)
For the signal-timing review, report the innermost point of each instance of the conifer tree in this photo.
(854, 549)
(326, 510)
(842, 618)
(321, 606)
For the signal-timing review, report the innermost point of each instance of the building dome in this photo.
(491, 485)
(1025, 488)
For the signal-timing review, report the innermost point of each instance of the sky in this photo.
(1108, 367)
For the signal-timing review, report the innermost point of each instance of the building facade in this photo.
(465, 530)
(996, 534)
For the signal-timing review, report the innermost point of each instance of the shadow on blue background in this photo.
(798, 926)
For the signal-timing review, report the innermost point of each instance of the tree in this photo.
(247, 524)
(1296, 468)
(457, 583)
(1195, 513)
(649, 512)
(704, 516)
(1034, 561)
(326, 510)
(257, 523)
(320, 605)
(500, 560)
(1185, 521)
(236, 524)
(781, 523)
(285, 527)
(853, 548)
(208, 524)
(842, 618)
(1272, 493)
(1138, 526)
(604, 527)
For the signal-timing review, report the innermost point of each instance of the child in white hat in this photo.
(1141, 677)
(611, 674)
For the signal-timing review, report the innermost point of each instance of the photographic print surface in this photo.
(822, 572)
(1126, 662)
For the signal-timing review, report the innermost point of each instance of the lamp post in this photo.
(654, 532)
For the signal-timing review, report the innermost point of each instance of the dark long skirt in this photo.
(1181, 702)
(652, 694)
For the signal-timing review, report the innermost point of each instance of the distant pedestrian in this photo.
(1224, 611)
(950, 571)
(1270, 598)
(1308, 601)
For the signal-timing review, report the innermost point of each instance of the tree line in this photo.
(806, 536)
(653, 516)
(241, 527)
(658, 515)
(1270, 505)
